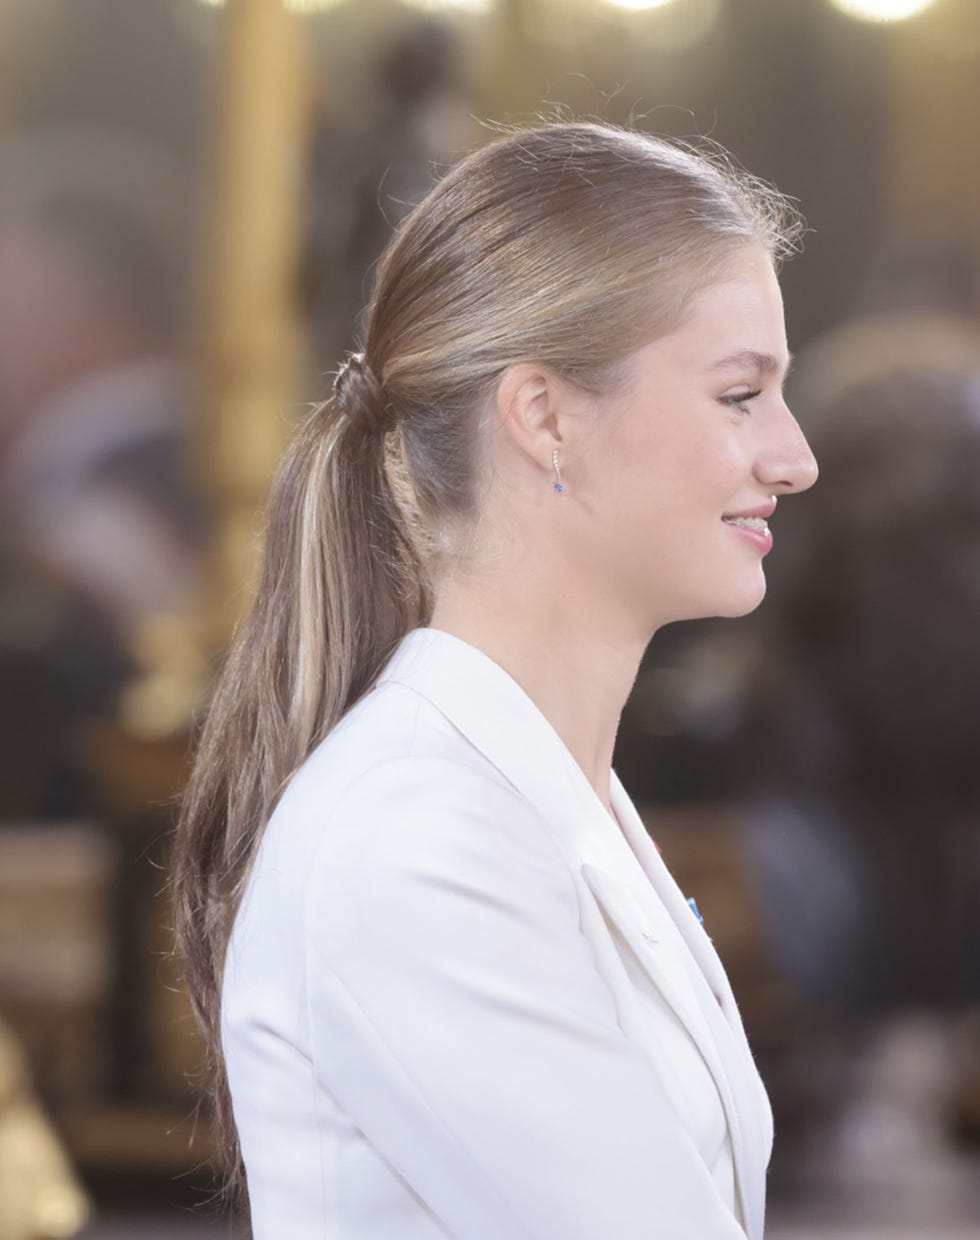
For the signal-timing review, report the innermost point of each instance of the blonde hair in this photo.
(569, 243)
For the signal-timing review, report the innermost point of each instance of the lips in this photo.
(752, 529)
(760, 510)
(749, 523)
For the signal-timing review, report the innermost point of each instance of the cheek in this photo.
(718, 468)
(651, 505)
(662, 469)
(626, 505)
(643, 483)
(696, 473)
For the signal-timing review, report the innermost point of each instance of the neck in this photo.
(578, 674)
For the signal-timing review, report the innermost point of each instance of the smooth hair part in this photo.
(568, 243)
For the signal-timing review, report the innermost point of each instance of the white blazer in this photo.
(460, 1001)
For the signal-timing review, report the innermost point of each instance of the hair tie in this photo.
(361, 396)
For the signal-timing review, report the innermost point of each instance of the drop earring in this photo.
(554, 460)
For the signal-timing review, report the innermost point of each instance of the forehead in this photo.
(737, 323)
(732, 325)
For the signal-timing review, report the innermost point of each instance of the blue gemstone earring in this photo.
(554, 460)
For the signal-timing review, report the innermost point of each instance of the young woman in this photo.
(448, 986)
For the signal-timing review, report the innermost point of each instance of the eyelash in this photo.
(737, 401)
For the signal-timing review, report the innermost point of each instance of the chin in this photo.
(750, 601)
(739, 602)
(737, 599)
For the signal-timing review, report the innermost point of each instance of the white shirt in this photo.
(459, 1000)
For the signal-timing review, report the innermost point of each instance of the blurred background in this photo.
(192, 195)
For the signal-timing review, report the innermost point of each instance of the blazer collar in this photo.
(494, 712)
(488, 706)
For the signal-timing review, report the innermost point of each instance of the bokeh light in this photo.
(638, 6)
(881, 10)
(466, 6)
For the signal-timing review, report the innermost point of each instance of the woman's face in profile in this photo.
(694, 440)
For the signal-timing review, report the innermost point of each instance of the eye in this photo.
(738, 401)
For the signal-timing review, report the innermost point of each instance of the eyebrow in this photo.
(764, 362)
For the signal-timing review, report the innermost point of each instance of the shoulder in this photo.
(429, 840)
(395, 777)
(454, 801)
(380, 749)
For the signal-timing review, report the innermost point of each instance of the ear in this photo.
(529, 397)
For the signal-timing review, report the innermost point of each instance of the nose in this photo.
(786, 463)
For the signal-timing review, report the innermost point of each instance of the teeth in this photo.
(751, 523)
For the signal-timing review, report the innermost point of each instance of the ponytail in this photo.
(340, 584)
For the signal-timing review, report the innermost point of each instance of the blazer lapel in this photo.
(676, 903)
(485, 703)
(752, 1128)
(651, 945)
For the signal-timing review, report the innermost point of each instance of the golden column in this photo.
(248, 353)
(248, 359)
(252, 348)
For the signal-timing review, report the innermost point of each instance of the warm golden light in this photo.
(295, 6)
(881, 10)
(638, 6)
(465, 6)
(431, 6)
(663, 25)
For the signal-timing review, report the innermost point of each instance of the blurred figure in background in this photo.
(101, 527)
(370, 165)
(859, 738)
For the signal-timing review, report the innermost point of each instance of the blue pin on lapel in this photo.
(697, 913)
